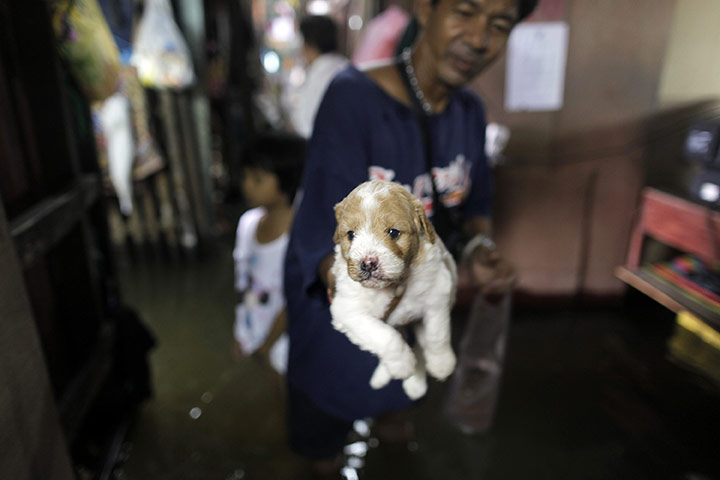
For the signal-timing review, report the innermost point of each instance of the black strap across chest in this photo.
(445, 225)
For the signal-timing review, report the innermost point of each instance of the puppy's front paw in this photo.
(440, 364)
(380, 377)
(415, 386)
(399, 359)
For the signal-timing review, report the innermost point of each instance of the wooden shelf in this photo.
(678, 223)
(632, 279)
(677, 303)
(40, 228)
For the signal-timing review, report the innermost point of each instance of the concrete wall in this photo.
(692, 71)
(565, 199)
(31, 441)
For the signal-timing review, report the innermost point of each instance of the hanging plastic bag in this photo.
(86, 44)
(475, 385)
(147, 157)
(121, 147)
(116, 121)
(159, 51)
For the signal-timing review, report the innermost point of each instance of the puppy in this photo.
(392, 269)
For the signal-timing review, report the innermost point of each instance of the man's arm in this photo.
(336, 163)
(488, 270)
(326, 275)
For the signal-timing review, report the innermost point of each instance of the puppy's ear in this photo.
(338, 214)
(422, 221)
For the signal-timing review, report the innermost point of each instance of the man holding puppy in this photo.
(410, 122)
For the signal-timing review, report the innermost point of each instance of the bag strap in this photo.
(441, 215)
(397, 296)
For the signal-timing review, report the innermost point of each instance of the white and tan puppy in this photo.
(387, 255)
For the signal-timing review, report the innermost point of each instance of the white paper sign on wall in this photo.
(535, 76)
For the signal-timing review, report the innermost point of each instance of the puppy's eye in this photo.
(351, 235)
(394, 234)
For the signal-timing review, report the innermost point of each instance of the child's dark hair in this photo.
(320, 32)
(282, 154)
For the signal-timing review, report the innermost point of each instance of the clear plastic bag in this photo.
(116, 121)
(474, 387)
(160, 52)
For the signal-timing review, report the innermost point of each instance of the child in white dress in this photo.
(271, 176)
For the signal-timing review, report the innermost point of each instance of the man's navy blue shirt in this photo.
(360, 134)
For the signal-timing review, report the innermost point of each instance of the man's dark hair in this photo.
(282, 154)
(525, 7)
(320, 32)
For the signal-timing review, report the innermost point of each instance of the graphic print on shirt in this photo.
(260, 306)
(255, 294)
(452, 183)
(260, 292)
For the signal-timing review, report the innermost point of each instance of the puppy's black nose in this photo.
(369, 264)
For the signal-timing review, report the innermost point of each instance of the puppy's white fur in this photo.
(383, 225)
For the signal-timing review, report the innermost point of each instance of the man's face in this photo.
(465, 36)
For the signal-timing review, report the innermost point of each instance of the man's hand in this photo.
(326, 274)
(482, 266)
(490, 272)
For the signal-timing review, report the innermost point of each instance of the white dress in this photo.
(259, 273)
